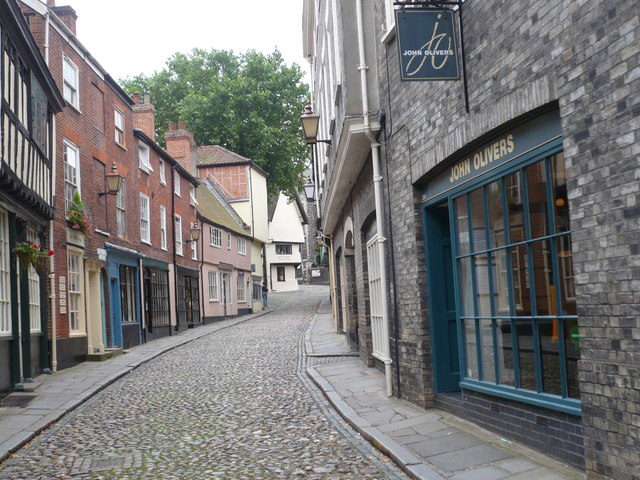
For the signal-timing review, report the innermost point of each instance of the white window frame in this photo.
(161, 169)
(145, 220)
(34, 290)
(5, 283)
(242, 246)
(118, 119)
(75, 292)
(213, 286)
(242, 292)
(284, 249)
(192, 196)
(228, 241)
(71, 83)
(215, 237)
(163, 227)
(176, 181)
(121, 210)
(376, 297)
(178, 227)
(71, 171)
(143, 158)
(194, 249)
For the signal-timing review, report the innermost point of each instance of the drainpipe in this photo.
(377, 190)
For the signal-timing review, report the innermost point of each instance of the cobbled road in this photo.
(234, 404)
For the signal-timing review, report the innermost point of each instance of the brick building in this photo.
(509, 216)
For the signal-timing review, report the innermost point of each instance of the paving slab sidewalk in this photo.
(63, 391)
(426, 444)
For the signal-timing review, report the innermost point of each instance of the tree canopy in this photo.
(249, 103)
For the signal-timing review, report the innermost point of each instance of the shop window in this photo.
(280, 274)
(159, 293)
(128, 294)
(516, 300)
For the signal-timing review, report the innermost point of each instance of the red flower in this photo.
(51, 252)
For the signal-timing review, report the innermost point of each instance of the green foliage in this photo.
(78, 216)
(250, 104)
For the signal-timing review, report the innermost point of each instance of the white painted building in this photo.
(286, 237)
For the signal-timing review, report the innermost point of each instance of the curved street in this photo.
(233, 404)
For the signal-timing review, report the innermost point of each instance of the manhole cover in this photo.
(107, 463)
(16, 401)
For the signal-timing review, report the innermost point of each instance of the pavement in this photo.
(426, 444)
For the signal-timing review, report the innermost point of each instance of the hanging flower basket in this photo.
(25, 252)
(42, 261)
(78, 216)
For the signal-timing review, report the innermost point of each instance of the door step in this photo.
(106, 355)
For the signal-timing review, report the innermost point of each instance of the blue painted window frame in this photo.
(561, 402)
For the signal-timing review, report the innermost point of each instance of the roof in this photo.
(160, 151)
(273, 204)
(214, 209)
(217, 156)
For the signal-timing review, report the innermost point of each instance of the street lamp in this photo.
(195, 233)
(114, 181)
(309, 190)
(310, 122)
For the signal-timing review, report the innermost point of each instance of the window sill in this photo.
(121, 147)
(77, 334)
(146, 242)
(75, 108)
(389, 34)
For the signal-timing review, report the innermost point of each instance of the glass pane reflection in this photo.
(488, 364)
(505, 352)
(526, 357)
(471, 351)
(462, 217)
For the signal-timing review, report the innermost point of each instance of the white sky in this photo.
(129, 37)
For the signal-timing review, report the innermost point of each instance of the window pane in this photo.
(477, 221)
(513, 186)
(470, 348)
(496, 218)
(565, 267)
(543, 274)
(463, 225)
(572, 349)
(466, 287)
(500, 282)
(526, 355)
(548, 331)
(560, 201)
(482, 286)
(538, 205)
(505, 352)
(520, 280)
(488, 361)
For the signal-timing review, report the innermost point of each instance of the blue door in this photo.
(116, 317)
(442, 305)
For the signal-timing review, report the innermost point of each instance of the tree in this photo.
(250, 104)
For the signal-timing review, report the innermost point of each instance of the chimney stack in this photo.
(66, 14)
(181, 145)
(144, 115)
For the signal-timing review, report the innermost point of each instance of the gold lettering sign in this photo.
(482, 158)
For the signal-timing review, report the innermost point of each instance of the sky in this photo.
(129, 37)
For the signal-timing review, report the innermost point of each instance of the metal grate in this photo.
(16, 401)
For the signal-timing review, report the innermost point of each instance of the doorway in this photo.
(442, 305)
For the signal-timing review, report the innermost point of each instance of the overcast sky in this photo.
(129, 37)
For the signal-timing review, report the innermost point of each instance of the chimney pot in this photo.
(172, 126)
(182, 125)
(136, 98)
(147, 97)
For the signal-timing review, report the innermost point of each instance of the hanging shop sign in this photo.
(500, 150)
(426, 44)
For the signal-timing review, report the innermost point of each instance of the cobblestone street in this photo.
(233, 404)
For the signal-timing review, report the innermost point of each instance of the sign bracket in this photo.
(458, 3)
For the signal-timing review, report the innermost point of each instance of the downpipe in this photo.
(377, 191)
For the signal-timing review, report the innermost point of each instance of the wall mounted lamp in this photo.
(310, 122)
(114, 181)
(195, 233)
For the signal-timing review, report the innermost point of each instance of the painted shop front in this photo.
(157, 313)
(503, 321)
(124, 289)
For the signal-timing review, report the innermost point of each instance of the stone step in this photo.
(31, 386)
(106, 355)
